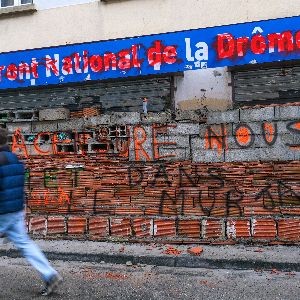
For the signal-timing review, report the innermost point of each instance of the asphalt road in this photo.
(108, 281)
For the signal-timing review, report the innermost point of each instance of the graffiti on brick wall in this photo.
(163, 189)
(212, 190)
(146, 143)
(124, 170)
(100, 140)
(104, 139)
(244, 136)
(275, 194)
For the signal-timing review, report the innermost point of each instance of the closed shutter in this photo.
(278, 84)
(125, 96)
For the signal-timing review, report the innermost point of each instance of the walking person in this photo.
(12, 224)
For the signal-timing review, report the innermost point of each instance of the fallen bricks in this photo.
(279, 258)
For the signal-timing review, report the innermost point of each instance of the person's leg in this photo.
(3, 226)
(17, 233)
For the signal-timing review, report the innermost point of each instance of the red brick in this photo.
(280, 243)
(218, 212)
(143, 227)
(289, 229)
(98, 226)
(116, 199)
(56, 225)
(152, 211)
(76, 225)
(127, 210)
(190, 211)
(213, 229)
(163, 227)
(290, 211)
(260, 211)
(37, 225)
(237, 229)
(264, 229)
(120, 227)
(196, 251)
(232, 212)
(189, 228)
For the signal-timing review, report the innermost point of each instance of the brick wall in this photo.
(233, 177)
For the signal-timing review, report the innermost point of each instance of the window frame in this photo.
(16, 3)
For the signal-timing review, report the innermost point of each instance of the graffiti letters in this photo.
(217, 137)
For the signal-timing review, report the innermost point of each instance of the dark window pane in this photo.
(26, 1)
(5, 3)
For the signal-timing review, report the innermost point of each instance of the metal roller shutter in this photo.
(110, 96)
(266, 85)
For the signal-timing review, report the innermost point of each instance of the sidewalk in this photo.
(285, 258)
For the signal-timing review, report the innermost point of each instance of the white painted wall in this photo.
(125, 18)
(69, 21)
(47, 4)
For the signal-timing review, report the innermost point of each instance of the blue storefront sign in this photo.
(231, 45)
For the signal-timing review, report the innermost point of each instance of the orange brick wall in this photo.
(174, 202)
(224, 177)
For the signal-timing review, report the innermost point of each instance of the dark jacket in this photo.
(11, 182)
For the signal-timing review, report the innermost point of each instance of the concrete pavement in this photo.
(92, 281)
(286, 258)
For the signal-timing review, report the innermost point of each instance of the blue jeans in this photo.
(13, 226)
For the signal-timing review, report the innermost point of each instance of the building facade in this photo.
(154, 120)
(55, 23)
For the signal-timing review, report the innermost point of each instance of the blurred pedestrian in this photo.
(145, 105)
(12, 224)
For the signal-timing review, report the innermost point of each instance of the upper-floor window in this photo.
(7, 3)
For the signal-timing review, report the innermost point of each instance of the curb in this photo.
(166, 261)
